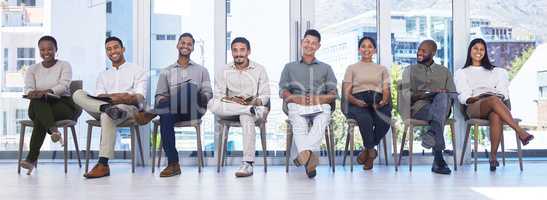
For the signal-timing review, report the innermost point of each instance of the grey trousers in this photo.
(436, 113)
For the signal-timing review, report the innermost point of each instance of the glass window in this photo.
(266, 25)
(26, 2)
(5, 59)
(160, 37)
(431, 20)
(515, 34)
(109, 7)
(177, 17)
(25, 57)
(87, 57)
(171, 37)
(4, 124)
(342, 24)
(22, 13)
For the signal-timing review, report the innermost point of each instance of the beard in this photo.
(239, 60)
(426, 60)
(185, 54)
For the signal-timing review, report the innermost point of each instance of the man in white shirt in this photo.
(125, 85)
(242, 92)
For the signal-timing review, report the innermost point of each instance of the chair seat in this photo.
(97, 123)
(484, 122)
(236, 123)
(351, 122)
(477, 121)
(191, 123)
(417, 122)
(61, 123)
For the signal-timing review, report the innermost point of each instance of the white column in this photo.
(460, 15)
(383, 21)
(219, 49)
(141, 56)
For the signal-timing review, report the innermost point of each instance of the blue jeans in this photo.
(183, 106)
(373, 123)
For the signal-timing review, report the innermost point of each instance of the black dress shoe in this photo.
(440, 167)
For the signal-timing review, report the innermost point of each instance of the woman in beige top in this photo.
(366, 90)
(47, 87)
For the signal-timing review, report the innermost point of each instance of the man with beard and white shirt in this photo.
(125, 85)
(242, 92)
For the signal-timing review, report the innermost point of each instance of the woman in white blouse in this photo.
(483, 88)
(47, 87)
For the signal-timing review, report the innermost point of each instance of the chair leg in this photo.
(465, 141)
(88, 147)
(160, 153)
(454, 151)
(132, 130)
(138, 136)
(288, 145)
(519, 152)
(225, 149)
(76, 146)
(327, 142)
(385, 151)
(346, 146)
(332, 146)
(351, 137)
(65, 148)
(220, 146)
(20, 152)
(410, 146)
(476, 144)
(263, 141)
(394, 136)
(502, 150)
(200, 148)
(403, 141)
(154, 148)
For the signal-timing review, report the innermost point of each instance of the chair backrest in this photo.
(403, 105)
(344, 104)
(74, 86)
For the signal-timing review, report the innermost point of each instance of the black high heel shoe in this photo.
(527, 140)
(493, 165)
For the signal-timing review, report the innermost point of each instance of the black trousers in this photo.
(373, 123)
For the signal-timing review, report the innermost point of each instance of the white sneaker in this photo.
(245, 170)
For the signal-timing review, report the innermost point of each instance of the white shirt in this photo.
(56, 78)
(252, 81)
(473, 81)
(128, 78)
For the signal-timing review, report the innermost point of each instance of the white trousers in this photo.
(247, 120)
(304, 136)
(108, 126)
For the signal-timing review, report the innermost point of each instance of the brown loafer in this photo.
(363, 156)
(369, 163)
(172, 169)
(143, 118)
(311, 165)
(302, 158)
(100, 170)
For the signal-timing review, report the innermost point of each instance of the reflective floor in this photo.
(49, 182)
